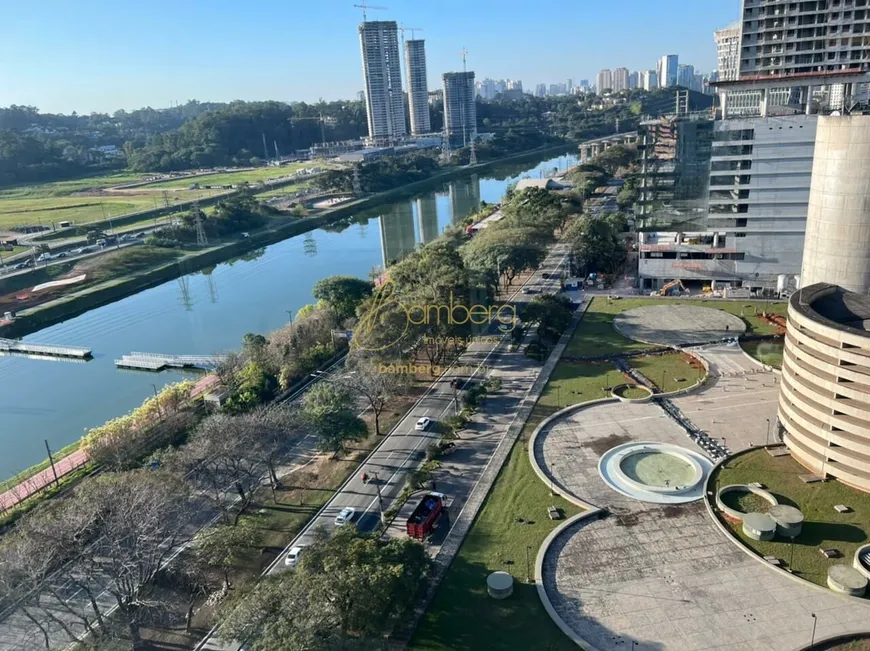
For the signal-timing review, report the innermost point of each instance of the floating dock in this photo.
(158, 361)
(49, 350)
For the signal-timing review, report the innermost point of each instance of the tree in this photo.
(270, 429)
(220, 459)
(552, 314)
(375, 385)
(222, 546)
(595, 244)
(342, 293)
(328, 408)
(347, 591)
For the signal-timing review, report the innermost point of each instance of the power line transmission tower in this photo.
(357, 184)
(201, 239)
(472, 160)
(185, 293)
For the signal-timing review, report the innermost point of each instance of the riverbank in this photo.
(71, 305)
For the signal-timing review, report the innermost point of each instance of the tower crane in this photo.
(463, 54)
(404, 28)
(365, 7)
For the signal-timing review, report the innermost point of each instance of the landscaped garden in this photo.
(823, 526)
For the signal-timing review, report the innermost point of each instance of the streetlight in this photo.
(767, 440)
(813, 637)
(528, 564)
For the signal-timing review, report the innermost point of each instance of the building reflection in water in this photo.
(397, 233)
(464, 198)
(427, 219)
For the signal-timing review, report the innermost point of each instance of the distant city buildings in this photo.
(460, 112)
(633, 80)
(385, 106)
(418, 90)
(620, 79)
(667, 70)
(541, 90)
(686, 75)
(649, 80)
(728, 51)
(605, 80)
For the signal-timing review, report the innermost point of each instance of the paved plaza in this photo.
(664, 576)
(677, 325)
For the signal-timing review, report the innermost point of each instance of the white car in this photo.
(423, 424)
(293, 556)
(345, 516)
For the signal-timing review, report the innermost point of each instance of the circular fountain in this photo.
(655, 472)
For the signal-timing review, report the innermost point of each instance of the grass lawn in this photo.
(766, 352)
(669, 372)
(463, 616)
(597, 336)
(229, 178)
(64, 188)
(823, 526)
(631, 392)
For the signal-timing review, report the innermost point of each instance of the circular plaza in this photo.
(677, 325)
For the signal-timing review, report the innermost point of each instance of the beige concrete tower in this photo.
(837, 246)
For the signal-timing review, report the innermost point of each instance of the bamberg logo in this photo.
(385, 301)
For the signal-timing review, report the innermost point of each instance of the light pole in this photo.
(767, 440)
(528, 564)
(157, 400)
(380, 498)
(813, 636)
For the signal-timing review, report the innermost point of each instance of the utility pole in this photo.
(380, 499)
(51, 461)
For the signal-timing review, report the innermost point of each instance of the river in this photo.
(205, 313)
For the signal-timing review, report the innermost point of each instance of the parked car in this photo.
(293, 556)
(43, 257)
(140, 235)
(423, 424)
(345, 516)
(62, 254)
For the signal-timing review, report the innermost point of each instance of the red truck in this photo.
(425, 515)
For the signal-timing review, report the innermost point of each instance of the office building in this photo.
(540, 90)
(649, 80)
(515, 84)
(385, 107)
(569, 86)
(418, 90)
(749, 213)
(584, 85)
(620, 79)
(634, 80)
(685, 75)
(555, 89)
(485, 88)
(605, 81)
(460, 112)
(667, 69)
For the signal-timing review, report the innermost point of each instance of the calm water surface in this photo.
(204, 313)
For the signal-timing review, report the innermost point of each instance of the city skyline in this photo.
(162, 62)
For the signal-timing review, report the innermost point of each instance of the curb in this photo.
(539, 572)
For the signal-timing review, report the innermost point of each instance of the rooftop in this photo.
(834, 305)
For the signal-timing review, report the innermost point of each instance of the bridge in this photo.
(591, 148)
(159, 361)
(49, 350)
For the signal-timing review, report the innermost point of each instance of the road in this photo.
(405, 447)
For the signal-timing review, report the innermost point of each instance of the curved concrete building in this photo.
(824, 400)
(837, 244)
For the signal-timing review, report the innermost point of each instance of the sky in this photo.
(103, 55)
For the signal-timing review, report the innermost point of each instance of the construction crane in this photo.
(365, 7)
(463, 54)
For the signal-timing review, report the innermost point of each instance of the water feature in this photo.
(657, 469)
(206, 313)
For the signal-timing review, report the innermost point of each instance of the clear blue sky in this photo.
(101, 55)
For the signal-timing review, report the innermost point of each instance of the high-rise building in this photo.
(460, 112)
(540, 90)
(464, 197)
(554, 89)
(620, 79)
(418, 90)
(728, 51)
(649, 80)
(584, 84)
(427, 219)
(666, 71)
(685, 75)
(821, 29)
(698, 83)
(515, 84)
(361, 96)
(634, 80)
(569, 86)
(605, 80)
(385, 106)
